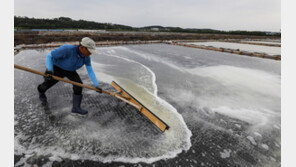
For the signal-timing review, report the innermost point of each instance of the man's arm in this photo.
(49, 62)
(57, 53)
(92, 75)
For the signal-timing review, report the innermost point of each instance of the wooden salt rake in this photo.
(120, 94)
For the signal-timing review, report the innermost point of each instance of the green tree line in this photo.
(63, 23)
(68, 23)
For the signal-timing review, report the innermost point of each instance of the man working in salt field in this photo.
(63, 62)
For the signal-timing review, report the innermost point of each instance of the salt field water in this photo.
(223, 109)
(264, 42)
(270, 50)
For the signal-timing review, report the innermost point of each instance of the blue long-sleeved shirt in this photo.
(69, 58)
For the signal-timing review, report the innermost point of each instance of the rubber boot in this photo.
(76, 110)
(42, 96)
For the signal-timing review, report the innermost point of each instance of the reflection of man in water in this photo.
(63, 62)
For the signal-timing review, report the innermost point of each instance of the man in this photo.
(63, 62)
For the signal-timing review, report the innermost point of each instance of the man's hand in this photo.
(48, 75)
(99, 90)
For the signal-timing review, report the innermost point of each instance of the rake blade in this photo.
(144, 110)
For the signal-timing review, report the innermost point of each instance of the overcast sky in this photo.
(261, 15)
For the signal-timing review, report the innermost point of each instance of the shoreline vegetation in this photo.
(66, 23)
(64, 29)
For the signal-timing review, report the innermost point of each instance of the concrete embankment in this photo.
(40, 37)
(45, 39)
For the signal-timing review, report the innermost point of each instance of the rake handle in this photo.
(59, 78)
(77, 84)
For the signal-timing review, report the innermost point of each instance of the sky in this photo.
(251, 15)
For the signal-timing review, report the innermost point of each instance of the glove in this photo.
(99, 89)
(48, 76)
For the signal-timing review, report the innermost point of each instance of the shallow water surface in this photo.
(223, 109)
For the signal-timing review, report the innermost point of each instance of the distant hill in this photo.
(64, 23)
(68, 23)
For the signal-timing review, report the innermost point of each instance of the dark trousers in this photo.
(71, 75)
